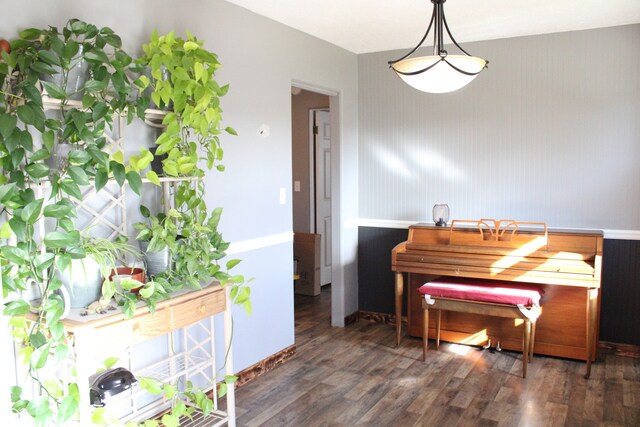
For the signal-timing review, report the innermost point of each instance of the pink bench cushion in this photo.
(493, 291)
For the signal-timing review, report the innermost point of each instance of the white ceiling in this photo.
(362, 26)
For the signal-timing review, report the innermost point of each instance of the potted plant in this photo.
(84, 276)
(157, 238)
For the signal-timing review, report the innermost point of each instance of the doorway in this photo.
(311, 197)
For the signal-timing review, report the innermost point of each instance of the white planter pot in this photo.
(83, 280)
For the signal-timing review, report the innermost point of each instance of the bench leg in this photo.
(532, 339)
(425, 333)
(438, 329)
(526, 347)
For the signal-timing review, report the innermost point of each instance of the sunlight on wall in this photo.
(433, 163)
(391, 161)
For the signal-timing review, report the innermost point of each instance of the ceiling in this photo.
(362, 26)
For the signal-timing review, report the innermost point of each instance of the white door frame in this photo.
(337, 269)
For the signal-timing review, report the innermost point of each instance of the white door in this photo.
(322, 154)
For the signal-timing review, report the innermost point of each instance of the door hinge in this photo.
(315, 129)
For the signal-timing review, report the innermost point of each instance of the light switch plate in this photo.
(283, 196)
(296, 186)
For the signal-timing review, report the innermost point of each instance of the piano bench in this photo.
(487, 297)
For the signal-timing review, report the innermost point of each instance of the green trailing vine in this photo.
(43, 61)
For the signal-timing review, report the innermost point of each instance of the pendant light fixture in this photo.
(440, 72)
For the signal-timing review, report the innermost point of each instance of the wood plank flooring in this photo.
(354, 376)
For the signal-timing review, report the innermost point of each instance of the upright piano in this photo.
(566, 263)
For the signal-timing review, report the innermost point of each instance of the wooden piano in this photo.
(566, 263)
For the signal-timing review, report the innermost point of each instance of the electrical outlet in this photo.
(296, 186)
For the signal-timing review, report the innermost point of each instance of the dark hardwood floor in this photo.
(354, 376)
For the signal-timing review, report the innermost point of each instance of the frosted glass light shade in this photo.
(442, 77)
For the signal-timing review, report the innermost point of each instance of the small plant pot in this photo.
(156, 163)
(134, 273)
(156, 261)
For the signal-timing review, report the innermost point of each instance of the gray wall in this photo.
(300, 106)
(549, 132)
(260, 59)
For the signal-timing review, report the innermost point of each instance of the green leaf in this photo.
(231, 131)
(118, 172)
(30, 34)
(99, 416)
(99, 111)
(15, 254)
(63, 261)
(135, 182)
(61, 352)
(96, 55)
(71, 188)
(7, 191)
(67, 409)
(44, 261)
(48, 139)
(5, 230)
(39, 406)
(222, 390)
(145, 158)
(206, 405)
(37, 170)
(57, 210)
(54, 90)
(147, 290)
(16, 393)
(16, 308)
(39, 356)
(145, 211)
(78, 175)
(31, 212)
(25, 114)
(7, 125)
(151, 385)
(169, 391)
(19, 228)
(232, 263)
(56, 328)
(169, 420)
(153, 178)
(101, 179)
(79, 157)
(40, 154)
(109, 362)
(198, 70)
(95, 85)
(57, 240)
(191, 46)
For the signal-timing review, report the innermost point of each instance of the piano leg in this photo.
(592, 315)
(526, 345)
(399, 292)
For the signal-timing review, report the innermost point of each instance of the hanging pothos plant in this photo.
(44, 60)
(183, 76)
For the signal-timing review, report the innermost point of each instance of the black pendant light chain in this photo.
(441, 25)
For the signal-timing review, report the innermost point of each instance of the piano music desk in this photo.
(567, 265)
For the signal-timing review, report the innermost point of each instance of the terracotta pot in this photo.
(136, 273)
